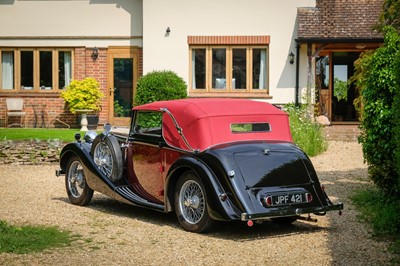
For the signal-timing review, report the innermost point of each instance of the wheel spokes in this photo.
(192, 202)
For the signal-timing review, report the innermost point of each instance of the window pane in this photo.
(46, 67)
(239, 69)
(148, 123)
(219, 68)
(250, 127)
(259, 68)
(7, 73)
(64, 69)
(27, 70)
(199, 68)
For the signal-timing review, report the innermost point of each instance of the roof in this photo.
(207, 122)
(340, 19)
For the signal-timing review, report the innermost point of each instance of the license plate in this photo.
(289, 199)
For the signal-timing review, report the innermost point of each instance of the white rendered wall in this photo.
(224, 17)
(75, 22)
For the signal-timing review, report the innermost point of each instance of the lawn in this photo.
(65, 135)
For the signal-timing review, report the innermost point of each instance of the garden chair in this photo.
(15, 108)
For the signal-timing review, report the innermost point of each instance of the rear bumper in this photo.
(290, 212)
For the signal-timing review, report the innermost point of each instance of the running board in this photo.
(127, 193)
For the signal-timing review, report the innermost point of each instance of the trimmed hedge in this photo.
(159, 86)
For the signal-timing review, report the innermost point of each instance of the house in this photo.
(272, 51)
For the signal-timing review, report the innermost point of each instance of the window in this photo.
(7, 70)
(250, 127)
(229, 69)
(35, 69)
(148, 123)
(234, 65)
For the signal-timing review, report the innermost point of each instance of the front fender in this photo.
(220, 207)
(95, 179)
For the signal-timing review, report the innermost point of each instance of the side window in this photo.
(147, 122)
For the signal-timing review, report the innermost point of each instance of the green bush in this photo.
(376, 77)
(306, 133)
(158, 86)
(83, 94)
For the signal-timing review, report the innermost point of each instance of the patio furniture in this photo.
(15, 108)
(55, 117)
(39, 111)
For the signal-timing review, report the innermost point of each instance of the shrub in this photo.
(83, 94)
(305, 132)
(159, 85)
(376, 74)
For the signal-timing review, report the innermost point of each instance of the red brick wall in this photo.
(84, 66)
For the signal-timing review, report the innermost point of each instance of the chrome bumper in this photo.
(282, 212)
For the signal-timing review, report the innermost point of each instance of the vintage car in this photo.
(207, 160)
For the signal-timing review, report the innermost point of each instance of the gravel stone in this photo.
(114, 233)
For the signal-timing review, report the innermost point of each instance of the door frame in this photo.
(120, 52)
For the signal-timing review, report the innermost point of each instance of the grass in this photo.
(66, 135)
(305, 132)
(382, 212)
(29, 239)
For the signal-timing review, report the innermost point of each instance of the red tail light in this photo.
(309, 197)
(268, 201)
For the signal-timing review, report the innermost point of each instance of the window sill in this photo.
(218, 94)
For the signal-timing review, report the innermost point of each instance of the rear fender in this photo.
(219, 206)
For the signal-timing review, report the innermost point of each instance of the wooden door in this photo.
(122, 63)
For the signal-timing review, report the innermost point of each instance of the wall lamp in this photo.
(95, 53)
(291, 58)
(168, 30)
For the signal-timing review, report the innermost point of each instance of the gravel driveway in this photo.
(118, 234)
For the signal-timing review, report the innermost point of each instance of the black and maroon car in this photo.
(207, 160)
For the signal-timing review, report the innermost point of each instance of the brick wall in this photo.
(84, 66)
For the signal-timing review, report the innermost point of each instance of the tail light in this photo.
(268, 201)
(309, 197)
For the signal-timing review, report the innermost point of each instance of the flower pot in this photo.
(93, 121)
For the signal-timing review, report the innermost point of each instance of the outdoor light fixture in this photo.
(95, 53)
(291, 58)
(168, 30)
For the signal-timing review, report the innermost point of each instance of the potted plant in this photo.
(84, 97)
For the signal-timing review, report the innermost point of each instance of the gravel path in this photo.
(118, 234)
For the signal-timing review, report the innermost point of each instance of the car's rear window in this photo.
(250, 127)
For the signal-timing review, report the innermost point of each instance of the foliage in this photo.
(377, 80)
(118, 109)
(306, 133)
(83, 94)
(159, 85)
(383, 213)
(341, 89)
(146, 121)
(391, 15)
(28, 239)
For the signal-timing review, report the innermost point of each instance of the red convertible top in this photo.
(207, 122)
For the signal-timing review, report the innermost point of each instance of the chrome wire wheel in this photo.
(76, 179)
(191, 202)
(103, 158)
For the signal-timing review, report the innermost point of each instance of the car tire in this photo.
(79, 193)
(107, 155)
(191, 203)
(285, 220)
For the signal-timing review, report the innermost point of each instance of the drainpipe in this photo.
(297, 74)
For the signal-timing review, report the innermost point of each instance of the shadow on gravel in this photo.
(235, 231)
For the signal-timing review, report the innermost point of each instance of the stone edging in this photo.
(30, 152)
